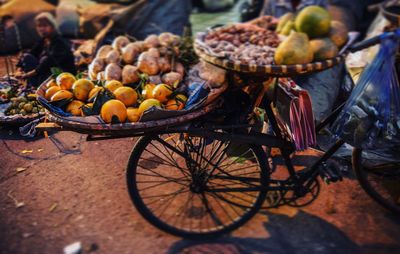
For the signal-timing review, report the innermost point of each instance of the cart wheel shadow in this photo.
(303, 233)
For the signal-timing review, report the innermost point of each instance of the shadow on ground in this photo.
(303, 233)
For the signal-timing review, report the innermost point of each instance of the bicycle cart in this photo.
(203, 177)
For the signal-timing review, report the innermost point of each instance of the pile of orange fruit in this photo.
(127, 105)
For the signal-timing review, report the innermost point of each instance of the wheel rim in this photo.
(380, 181)
(193, 185)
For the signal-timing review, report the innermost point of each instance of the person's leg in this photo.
(27, 63)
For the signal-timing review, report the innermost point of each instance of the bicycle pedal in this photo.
(329, 173)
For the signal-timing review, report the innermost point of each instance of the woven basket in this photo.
(95, 125)
(204, 52)
(18, 120)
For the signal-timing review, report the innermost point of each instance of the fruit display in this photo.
(23, 105)
(296, 38)
(311, 29)
(247, 43)
(111, 100)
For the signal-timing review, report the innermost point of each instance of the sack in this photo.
(371, 117)
(294, 106)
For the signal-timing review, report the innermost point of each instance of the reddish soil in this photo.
(76, 191)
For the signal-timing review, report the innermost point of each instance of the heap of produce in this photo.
(111, 99)
(247, 43)
(24, 105)
(17, 100)
(311, 36)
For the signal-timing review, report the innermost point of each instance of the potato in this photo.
(179, 68)
(130, 74)
(120, 42)
(153, 52)
(112, 72)
(171, 78)
(113, 57)
(130, 52)
(97, 65)
(103, 51)
(164, 64)
(148, 64)
(151, 41)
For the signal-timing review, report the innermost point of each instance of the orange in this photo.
(162, 92)
(51, 83)
(147, 104)
(94, 91)
(147, 92)
(127, 95)
(174, 104)
(81, 89)
(113, 108)
(65, 80)
(133, 114)
(74, 107)
(51, 91)
(62, 94)
(112, 85)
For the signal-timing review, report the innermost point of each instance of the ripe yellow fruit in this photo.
(51, 91)
(112, 85)
(133, 114)
(113, 108)
(162, 92)
(313, 20)
(74, 107)
(126, 94)
(181, 97)
(62, 94)
(51, 83)
(81, 89)
(65, 80)
(94, 91)
(147, 104)
(147, 92)
(174, 104)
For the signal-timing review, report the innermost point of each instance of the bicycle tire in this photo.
(366, 179)
(149, 215)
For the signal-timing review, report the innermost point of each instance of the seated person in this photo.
(51, 51)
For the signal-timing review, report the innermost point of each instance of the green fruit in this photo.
(287, 28)
(28, 107)
(323, 49)
(295, 49)
(22, 112)
(35, 110)
(22, 99)
(313, 20)
(283, 20)
(14, 104)
(21, 105)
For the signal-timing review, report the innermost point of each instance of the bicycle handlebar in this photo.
(374, 40)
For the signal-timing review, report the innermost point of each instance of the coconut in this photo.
(120, 42)
(130, 52)
(148, 64)
(130, 74)
(97, 65)
(171, 78)
(113, 72)
(103, 51)
(153, 52)
(151, 41)
(113, 57)
(164, 64)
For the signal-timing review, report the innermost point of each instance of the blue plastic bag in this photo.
(371, 117)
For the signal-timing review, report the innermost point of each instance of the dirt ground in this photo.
(72, 190)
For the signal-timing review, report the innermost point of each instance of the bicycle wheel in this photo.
(380, 181)
(196, 187)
